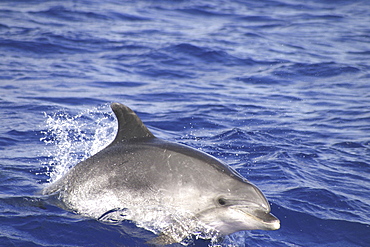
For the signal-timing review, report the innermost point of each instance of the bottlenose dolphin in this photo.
(168, 188)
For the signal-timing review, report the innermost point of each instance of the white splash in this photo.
(71, 139)
(180, 226)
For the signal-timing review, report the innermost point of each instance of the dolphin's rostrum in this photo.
(168, 188)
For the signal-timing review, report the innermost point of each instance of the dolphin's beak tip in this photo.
(276, 225)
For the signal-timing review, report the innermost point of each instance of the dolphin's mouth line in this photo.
(249, 214)
(255, 217)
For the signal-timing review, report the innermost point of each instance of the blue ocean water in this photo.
(278, 89)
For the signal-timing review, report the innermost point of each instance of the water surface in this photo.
(280, 90)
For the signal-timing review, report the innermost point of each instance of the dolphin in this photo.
(170, 189)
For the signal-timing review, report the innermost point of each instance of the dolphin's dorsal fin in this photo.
(130, 126)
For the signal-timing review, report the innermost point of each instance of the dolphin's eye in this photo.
(221, 201)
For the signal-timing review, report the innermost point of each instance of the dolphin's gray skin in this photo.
(165, 187)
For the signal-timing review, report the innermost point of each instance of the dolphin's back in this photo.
(143, 163)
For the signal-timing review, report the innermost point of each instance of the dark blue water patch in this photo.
(318, 199)
(204, 11)
(7, 13)
(208, 109)
(49, 230)
(16, 174)
(233, 135)
(6, 77)
(21, 136)
(233, 146)
(7, 87)
(364, 53)
(4, 28)
(167, 96)
(123, 52)
(37, 47)
(265, 174)
(329, 4)
(315, 70)
(353, 164)
(68, 15)
(308, 230)
(148, 32)
(278, 135)
(285, 98)
(128, 17)
(259, 18)
(361, 166)
(325, 18)
(349, 144)
(72, 41)
(356, 38)
(16, 204)
(119, 84)
(167, 73)
(10, 241)
(178, 124)
(6, 141)
(190, 52)
(73, 101)
(260, 80)
(255, 36)
(306, 158)
(257, 150)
